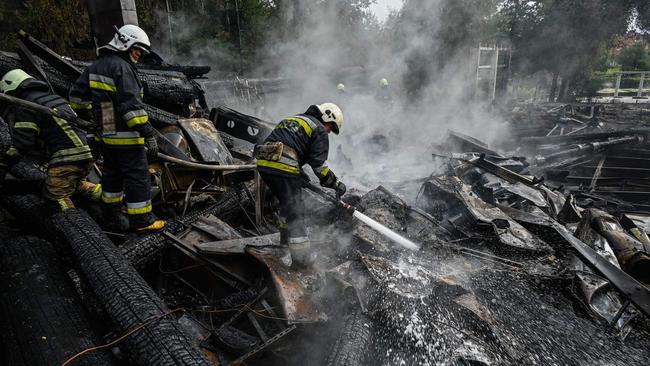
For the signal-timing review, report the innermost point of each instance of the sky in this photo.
(383, 7)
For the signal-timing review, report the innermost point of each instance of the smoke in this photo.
(432, 76)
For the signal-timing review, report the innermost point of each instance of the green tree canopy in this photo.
(634, 57)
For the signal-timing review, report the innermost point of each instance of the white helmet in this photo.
(332, 113)
(383, 82)
(340, 87)
(129, 36)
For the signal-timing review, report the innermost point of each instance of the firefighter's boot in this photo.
(146, 223)
(302, 254)
(114, 219)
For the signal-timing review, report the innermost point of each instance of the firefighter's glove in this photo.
(152, 148)
(340, 188)
(304, 178)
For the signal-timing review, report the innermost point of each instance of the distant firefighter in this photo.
(384, 93)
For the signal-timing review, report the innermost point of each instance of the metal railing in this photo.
(619, 77)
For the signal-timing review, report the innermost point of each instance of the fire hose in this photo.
(380, 228)
(193, 165)
(35, 107)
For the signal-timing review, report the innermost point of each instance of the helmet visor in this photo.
(141, 47)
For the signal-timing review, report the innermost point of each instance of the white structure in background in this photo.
(619, 76)
(492, 70)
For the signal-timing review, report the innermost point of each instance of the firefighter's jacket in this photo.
(307, 137)
(111, 89)
(64, 144)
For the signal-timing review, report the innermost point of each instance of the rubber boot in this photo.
(114, 219)
(302, 256)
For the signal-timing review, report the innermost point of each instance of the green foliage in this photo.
(62, 25)
(634, 57)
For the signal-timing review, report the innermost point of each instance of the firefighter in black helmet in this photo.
(295, 141)
(111, 90)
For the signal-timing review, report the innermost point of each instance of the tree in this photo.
(634, 57)
(59, 24)
(563, 36)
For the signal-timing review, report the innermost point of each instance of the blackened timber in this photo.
(52, 58)
(502, 172)
(637, 293)
(590, 147)
(30, 65)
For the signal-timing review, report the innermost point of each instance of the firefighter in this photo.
(111, 90)
(384, 94)
(69, 156)
(295, 141)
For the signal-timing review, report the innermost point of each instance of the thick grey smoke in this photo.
(383, 143)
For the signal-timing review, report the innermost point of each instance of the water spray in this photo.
(380, 228)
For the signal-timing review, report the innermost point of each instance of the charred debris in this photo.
(533, 254)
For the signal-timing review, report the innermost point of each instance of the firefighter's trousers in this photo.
(125, 177)
(62, 181)
(292, 208)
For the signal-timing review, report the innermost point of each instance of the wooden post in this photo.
(639, 94)
(618, 84)
(259, 199)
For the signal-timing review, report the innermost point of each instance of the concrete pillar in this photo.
(104, 14)
(618, 84)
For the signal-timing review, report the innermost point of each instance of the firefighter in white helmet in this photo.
(111, 90)
(296, 141)
(384, 94)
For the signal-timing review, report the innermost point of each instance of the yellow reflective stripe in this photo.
(278, 166)
(139, 210)
(123, 141)
(81, 106)
(324, 172)
(69, 131)
(112, 200)
(108, 197)
(304, 244)
(12, 151)
(102, 86)
(72, 154)
(303, 123)
(71, 151)
(27, 125)
(65, 204)
(71, 158)
(137, 121)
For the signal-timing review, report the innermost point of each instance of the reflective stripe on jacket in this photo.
(64, 143)
(307, 136)
(111, 88)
